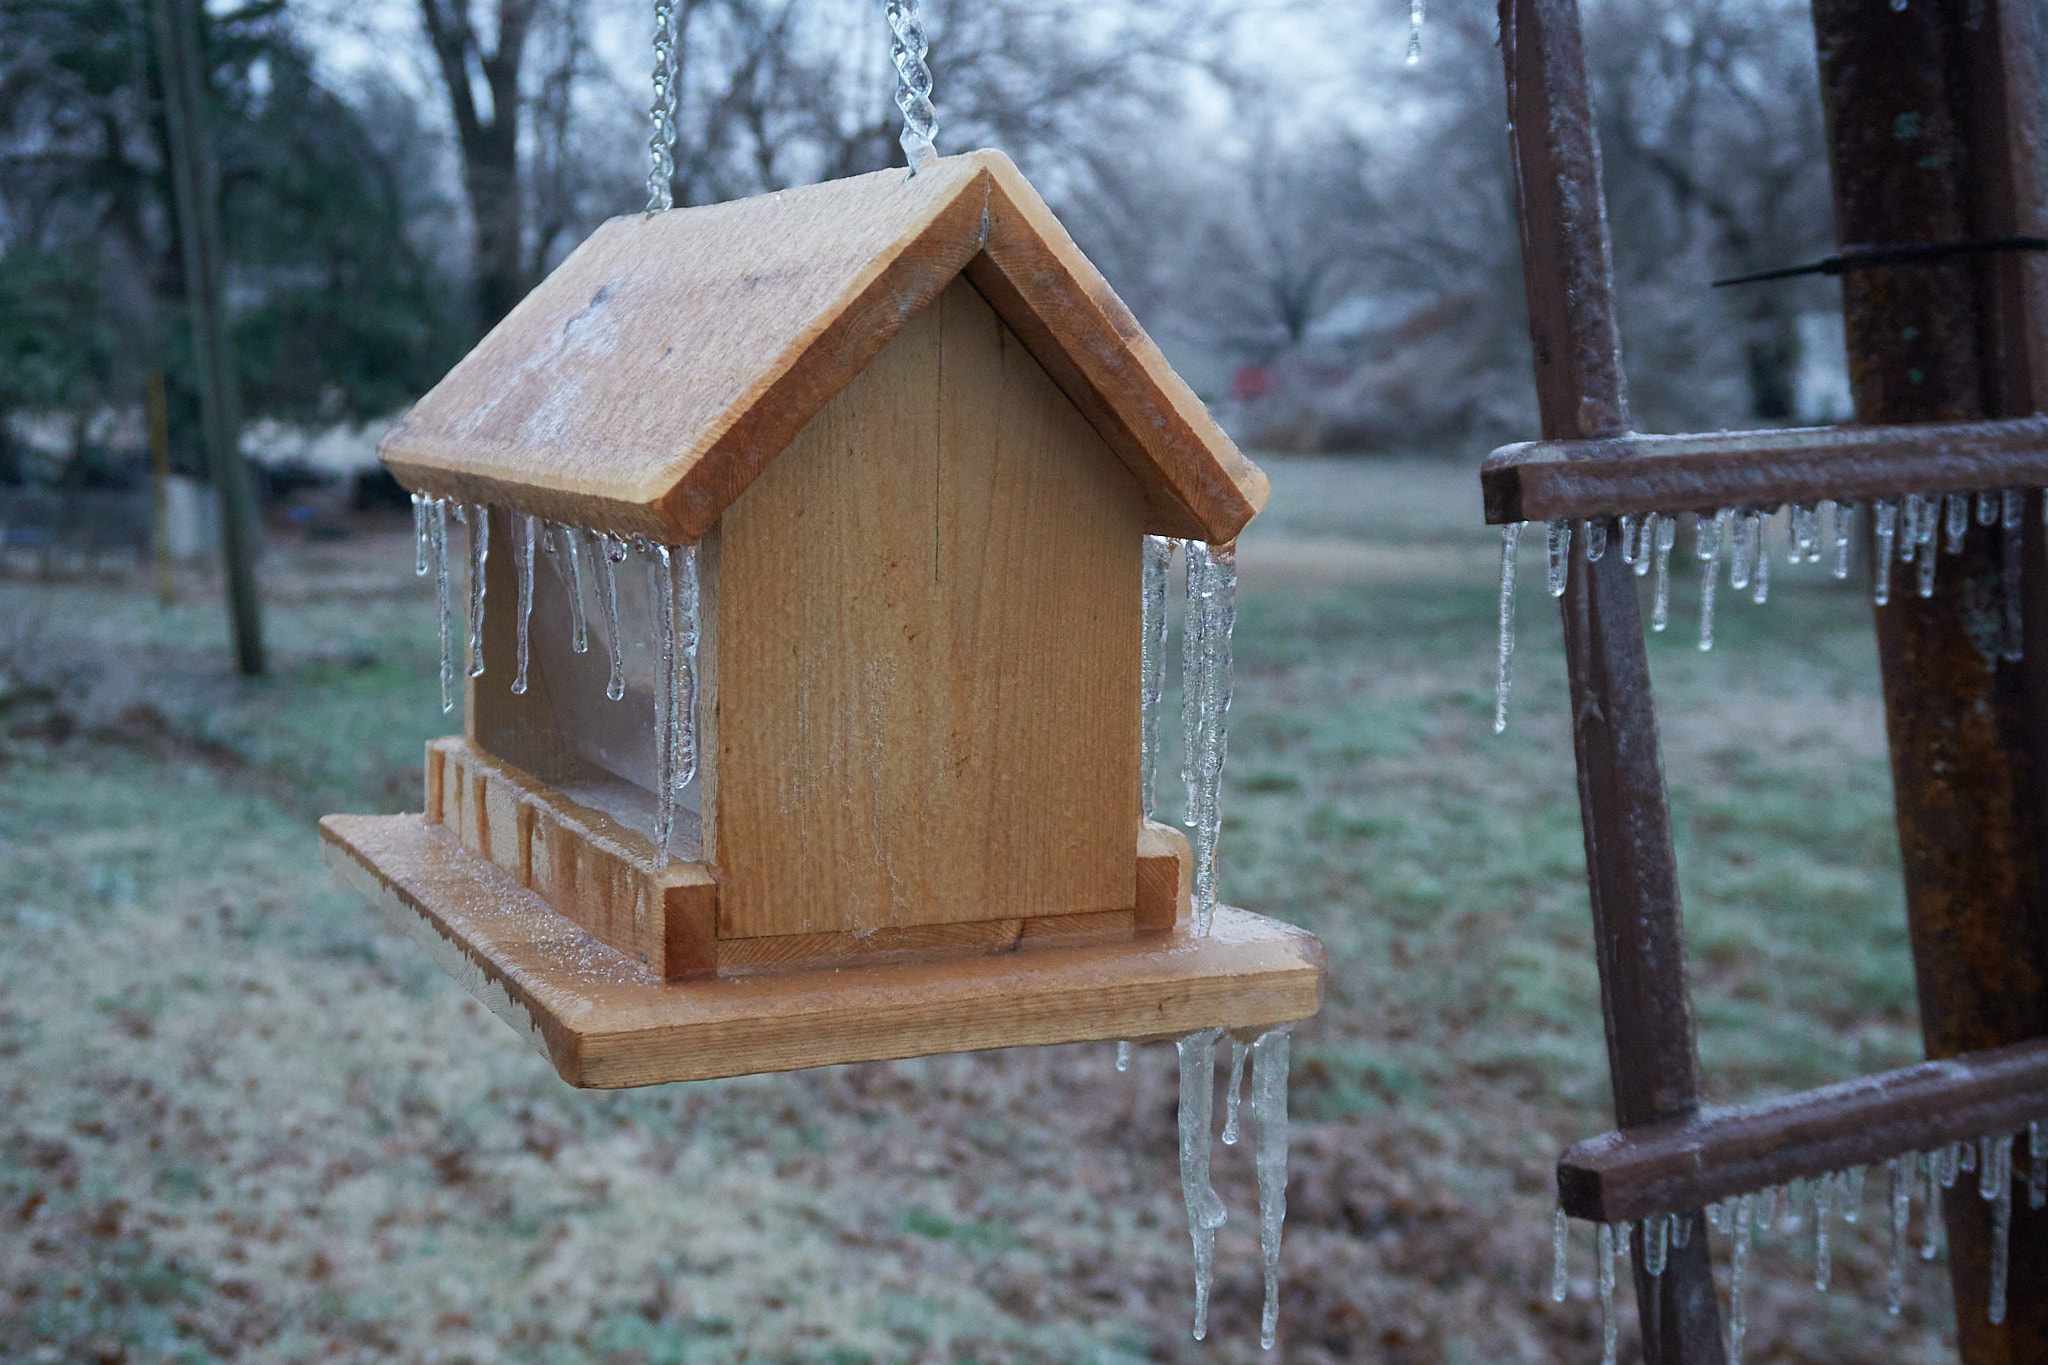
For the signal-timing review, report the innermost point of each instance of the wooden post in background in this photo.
(1631, 869)
(1933, 119)
(194, 189)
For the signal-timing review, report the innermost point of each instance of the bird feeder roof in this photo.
(646, 382)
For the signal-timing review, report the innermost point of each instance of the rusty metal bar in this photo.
(1933, 130)
(1724, 1152)
(1544, 480)
(1631, 871)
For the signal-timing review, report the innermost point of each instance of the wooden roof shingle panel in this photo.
(644, 384)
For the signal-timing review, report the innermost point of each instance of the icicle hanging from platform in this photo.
(1560, 1237)
(1504, 666)
(1269, 1112)
(1233, 1091)
(1205, 1210)
(1610, 1326)
(1158, 560)
(1211, 615)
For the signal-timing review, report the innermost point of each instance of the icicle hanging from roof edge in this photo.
(1211, 615)
(1197, 1053)
(420, 538)
(444, 605)
(661, 599)
(610, 553)
(1158, 561)
(522, 563)
(479, 522)
(1269, 1112)
(563, 547)
(1504, 663)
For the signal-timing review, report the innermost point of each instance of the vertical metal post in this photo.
(1933, 127)
(194, 189)
(1631, 870)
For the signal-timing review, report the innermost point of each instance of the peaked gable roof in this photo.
(644, 384)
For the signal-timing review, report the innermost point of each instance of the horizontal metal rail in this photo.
(1552, 480)
(1722, 1152)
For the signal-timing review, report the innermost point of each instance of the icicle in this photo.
(661, 600)
(1762, 594)
(1805, 533)
(1560, 1231)
(1966, 1157)
(1766, 1211)
(1645, 542)
(1269, 1109)
(2037, 1166)
(2001, 1227)
(1852, 1194)
(1957, 510)
(1795, 1195)
(1656, 1243)
(572, 556)
(1123, 1056)
(1158, 558)
(1930, 1229)
(1629, 551)
(2012, 546)
(1887, 519)
(1744, 542)
(1987, 1168)
(1233, 1093)
(1927, 559)
(1667, 536)
(1560, 556)
(1845, 528)
(1414, 32)
(1610, 1326)
(422, 539)
(1930, 522)
(479, 554)
(1205, 1211)
(1504, 669)
(611, 552)
(1738, 1265)
(522, 560)
(1909, 528)
(1595, 533)
(444, 607)
(1902, 1213)
(1987, 509)
(1717, 1216)
(1211, 616)
(1708, 538)
(1823, 1203)
(1623, 1239)
(1681, 1230)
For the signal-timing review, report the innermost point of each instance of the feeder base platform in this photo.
(606, 1021)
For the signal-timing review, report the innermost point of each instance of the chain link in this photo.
(661, 146)
(907, 49)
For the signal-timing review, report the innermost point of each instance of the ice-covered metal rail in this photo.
(1723, 1152)
(1609, 476)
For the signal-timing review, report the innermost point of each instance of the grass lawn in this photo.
(241, 1119)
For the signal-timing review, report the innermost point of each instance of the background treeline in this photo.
(1322, 237)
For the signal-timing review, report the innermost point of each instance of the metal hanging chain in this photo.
(907, 49)
(661, 146)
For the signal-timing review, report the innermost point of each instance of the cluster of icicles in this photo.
(672, 580)
(1912, 532)
(1211, 615)
(1756, 1215)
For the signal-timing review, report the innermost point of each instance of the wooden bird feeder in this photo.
(917, 443)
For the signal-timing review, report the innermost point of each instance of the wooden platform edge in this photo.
(606, 1022)
(1632, 1173)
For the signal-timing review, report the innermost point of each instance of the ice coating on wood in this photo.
(1504, 666)
(1560, 1234)
(1211, 615)
(611, 552)
(2000, 1180)
(1901, 1205)
(479, 521)
(1560, 546)
(1738, 1266)
(1269, 1112)
(1610, 1326)
(444, 606)
(1158, 558)
(522, 563)
(1233, 1091)
(1667, 537)
(1205, 1211)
